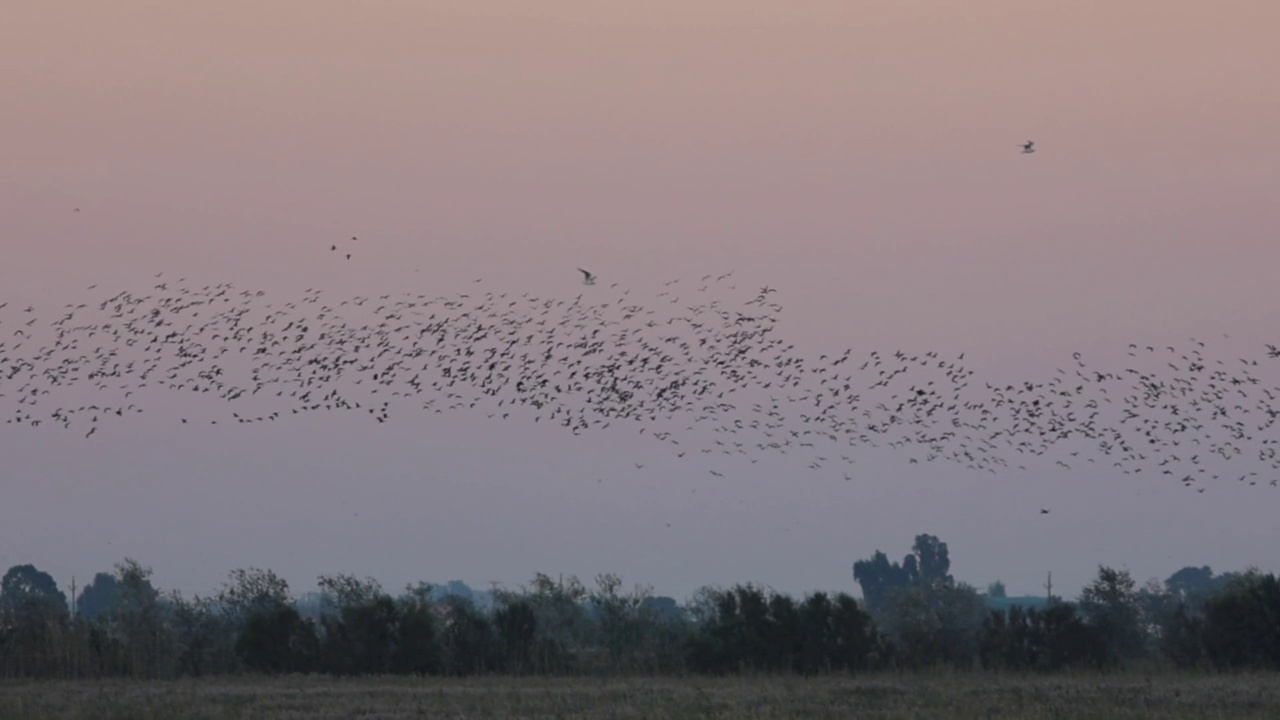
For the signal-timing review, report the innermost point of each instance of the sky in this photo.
(862, 158)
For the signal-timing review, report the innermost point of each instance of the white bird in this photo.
(587, 277)
(1028, 147)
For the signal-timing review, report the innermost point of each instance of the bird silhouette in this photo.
(688, 355)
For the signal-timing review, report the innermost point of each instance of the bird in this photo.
(1043, 511)
(1028, 147)
(588, 278)
(586, 365)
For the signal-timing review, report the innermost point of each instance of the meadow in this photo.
(958, 696)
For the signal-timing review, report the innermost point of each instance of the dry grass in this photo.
(946, 696)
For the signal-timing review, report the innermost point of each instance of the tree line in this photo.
(913, 615)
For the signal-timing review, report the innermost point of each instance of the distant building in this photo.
(1038, 602)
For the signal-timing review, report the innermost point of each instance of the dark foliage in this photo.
(749, 629)
(1241, 624)
(1048, 640)
(922, 618)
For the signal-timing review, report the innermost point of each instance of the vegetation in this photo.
(915, 617)
(964, 696)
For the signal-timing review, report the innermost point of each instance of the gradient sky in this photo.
(861, 157)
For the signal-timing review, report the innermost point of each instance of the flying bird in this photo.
(583, 365)
(1028, 147)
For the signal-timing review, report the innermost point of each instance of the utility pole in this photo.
(73, 657)
(1048, 588)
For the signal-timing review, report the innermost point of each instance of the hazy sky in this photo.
(861, 157)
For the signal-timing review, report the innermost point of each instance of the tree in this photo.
(933, 559)
(347, 590)
(748, 629)
(23, 585)
(1182, 637)
(878, 577)
(919, 605)
(933, 623)
(830, 634)
(361, 626)
(416, 649)
(272, 637)
(275, 639)
(929, 562)
(98, 596)
(33, 616)
(664, 608)
(135, 623)
(1158, 609)
(517, 627)
(1242, 623)
(625, 620)
(1044, 640)
(1190, 581)
(468, 644)
(254, 590)
(855, 643)
(996, 590)
(204, 636)
(732, 630)
(563, 627)
(1110, 603)
(1192, 586)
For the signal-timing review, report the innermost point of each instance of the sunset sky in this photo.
(861, 157)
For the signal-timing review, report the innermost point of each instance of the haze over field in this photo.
(861, 158)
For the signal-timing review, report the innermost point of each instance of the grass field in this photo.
(885, 696)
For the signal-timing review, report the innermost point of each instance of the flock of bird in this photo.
(669, 365)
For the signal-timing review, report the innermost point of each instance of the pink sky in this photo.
(861, 157)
